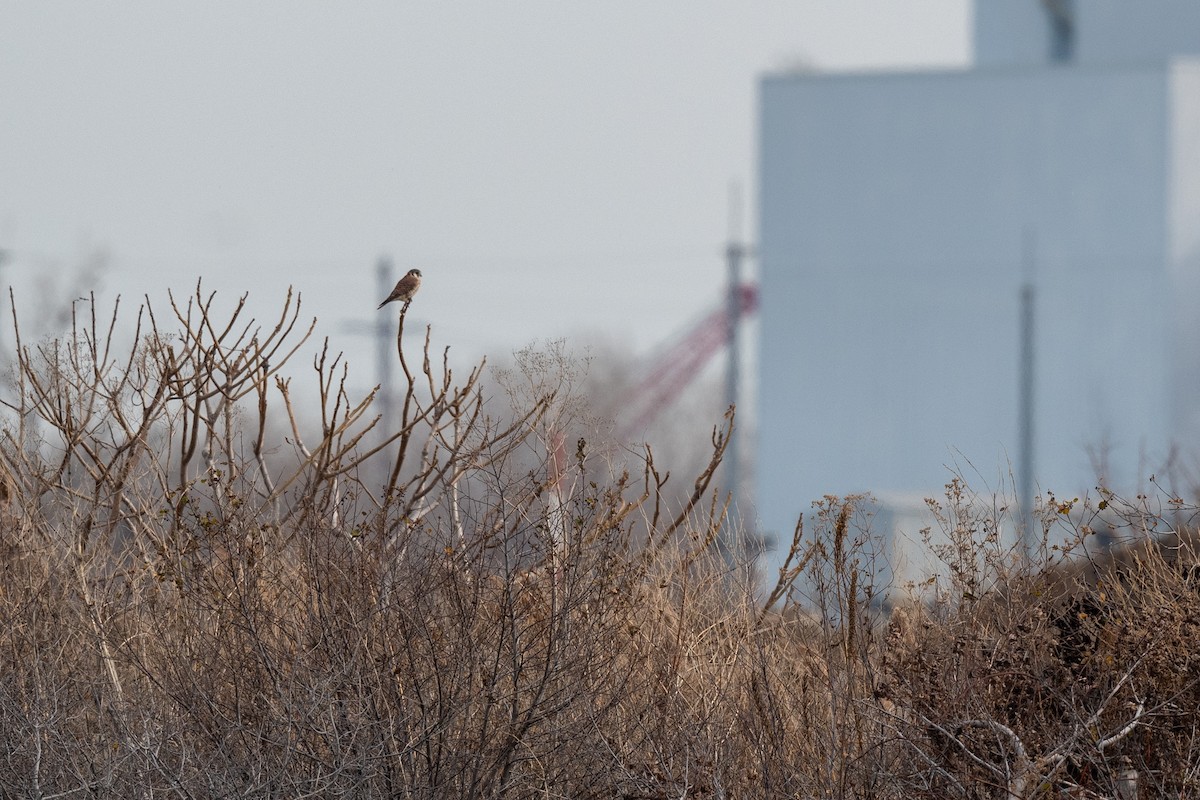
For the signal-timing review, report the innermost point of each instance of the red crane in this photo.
(672, 371)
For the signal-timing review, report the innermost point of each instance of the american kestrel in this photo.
(405, 288)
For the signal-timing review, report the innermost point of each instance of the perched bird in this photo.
(405, 288)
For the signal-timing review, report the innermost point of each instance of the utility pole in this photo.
(385, 350)
(1025, 407)
(735, 254)
(4, 258)
(380, 329)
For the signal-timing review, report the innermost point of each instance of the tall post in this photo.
(4, 257)
(385, 351)
(735, 252)
(1025, 406)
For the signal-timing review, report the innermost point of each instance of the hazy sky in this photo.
(554, 168)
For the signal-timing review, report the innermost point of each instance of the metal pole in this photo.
(735, 252)
(4, 257)
(385, 351)
(1025, 407)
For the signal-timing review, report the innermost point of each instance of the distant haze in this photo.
(552, 168)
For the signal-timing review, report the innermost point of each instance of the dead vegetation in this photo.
(194, 605)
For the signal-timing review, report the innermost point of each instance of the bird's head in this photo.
(415, 272)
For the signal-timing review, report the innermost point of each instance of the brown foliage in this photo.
(190, 607)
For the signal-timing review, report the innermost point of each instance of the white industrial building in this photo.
(900, 215)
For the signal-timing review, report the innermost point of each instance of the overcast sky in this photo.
(554, 168)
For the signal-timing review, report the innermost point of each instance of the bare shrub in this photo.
(192, 605)
(187, 615)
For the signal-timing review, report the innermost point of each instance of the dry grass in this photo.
(185, 613)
